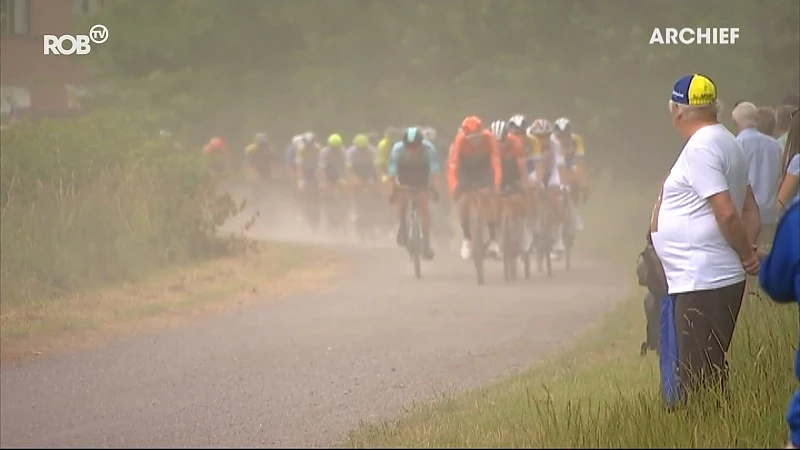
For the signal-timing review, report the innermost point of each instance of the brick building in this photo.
(37, 84)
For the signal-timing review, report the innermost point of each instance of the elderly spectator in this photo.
(780, 279)
(765, 120)
(703, 227)
(763, 155)
(791, 163)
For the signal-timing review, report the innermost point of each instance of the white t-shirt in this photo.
(688, 240)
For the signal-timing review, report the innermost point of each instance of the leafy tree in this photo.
(350, 65)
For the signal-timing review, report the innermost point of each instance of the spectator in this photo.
(765, 120)
(780, 279)
(790, 166)
(763, 155)
(703, 227)
(782, 120)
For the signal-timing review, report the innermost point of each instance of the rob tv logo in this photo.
(80, 44)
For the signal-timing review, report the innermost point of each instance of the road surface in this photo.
(305, 370)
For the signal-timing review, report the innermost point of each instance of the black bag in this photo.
(652, 314)
(655, 279)
(650, 273)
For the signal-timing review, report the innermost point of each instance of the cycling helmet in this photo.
(499, 129)
(361, 141)
(471, 125)
(562, 125)
(334, 140)
(309, 136)
(518, 122)
(261, 138)
(540, 127)
(297, 141)
(412, 137)
(216, 142)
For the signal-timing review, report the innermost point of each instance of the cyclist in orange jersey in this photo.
(474, 163)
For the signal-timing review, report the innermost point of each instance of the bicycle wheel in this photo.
(478, 228)
(545, 241)
(569, 234)
(510, 250)
(525, 253)
(415, 242)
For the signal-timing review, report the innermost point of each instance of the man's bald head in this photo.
(745, 115)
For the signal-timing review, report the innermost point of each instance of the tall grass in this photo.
(602, 393)
(97, 200)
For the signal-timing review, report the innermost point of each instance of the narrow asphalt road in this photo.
(305, 370)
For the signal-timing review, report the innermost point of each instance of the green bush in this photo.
(99, 199)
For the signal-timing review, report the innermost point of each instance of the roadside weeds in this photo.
(169, 299)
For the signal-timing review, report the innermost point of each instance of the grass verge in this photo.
(35, 326)
(602, 393)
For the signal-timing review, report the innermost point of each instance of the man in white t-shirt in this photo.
(703, 227)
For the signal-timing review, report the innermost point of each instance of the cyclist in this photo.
(512, 155)
(306, 161)
(412, 163)
(474, 162)
(332, 160)
(512, 163)
(360, 160)
(363, 173)
(518, 125)
(390, 136)
(259, 157)
(217, 155)
(570, 145)
(546, 162)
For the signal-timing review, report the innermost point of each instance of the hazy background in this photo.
(230, 68)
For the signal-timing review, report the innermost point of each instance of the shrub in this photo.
(99, 199)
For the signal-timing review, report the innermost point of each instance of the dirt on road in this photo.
(305, 371)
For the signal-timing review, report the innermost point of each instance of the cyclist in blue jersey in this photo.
(413, 163)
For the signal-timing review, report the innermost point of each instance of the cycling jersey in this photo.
(571, 149)
(511, 151)
(383, 152)
(474, 161)
(413, 167)
(306, 158)
(332, 163)
(259, 157)
(361, 161)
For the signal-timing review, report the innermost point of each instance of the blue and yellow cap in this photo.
(694, 90)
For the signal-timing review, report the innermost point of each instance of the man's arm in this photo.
(751, 216)
(394, 155)
(730, 224)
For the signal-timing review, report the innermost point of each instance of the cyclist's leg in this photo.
(462, 205)
(555, 205)
(490, 210)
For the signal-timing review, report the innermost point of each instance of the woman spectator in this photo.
(780, 279)
(790, 166)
